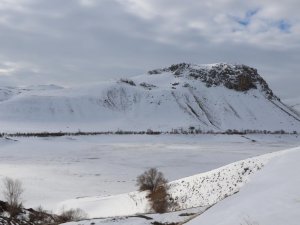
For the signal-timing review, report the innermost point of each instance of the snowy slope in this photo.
(294, 103)
(117, 205)
(207, 97)
(271, 194)
(297, 108)
(271, 198)
(202, 190)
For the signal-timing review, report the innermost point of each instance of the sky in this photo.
(74, 42)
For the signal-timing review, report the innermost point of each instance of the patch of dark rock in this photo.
(127, 81)
(187, 214)
(144, 217)
(159, 223)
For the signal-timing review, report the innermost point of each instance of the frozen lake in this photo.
(55, 169)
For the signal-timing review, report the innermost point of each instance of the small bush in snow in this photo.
(41, 216)
(71, 215)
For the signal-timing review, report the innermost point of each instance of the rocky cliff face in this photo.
(237, 77)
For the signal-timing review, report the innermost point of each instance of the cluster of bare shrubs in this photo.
(13, 212)
(193, 130)
(154, 181)
(41, 216)
(71, 215)
(190, 130)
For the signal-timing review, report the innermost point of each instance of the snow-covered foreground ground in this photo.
(268, 185)
(200, 190)
(271, 198)
(56, 169)
(179, 217)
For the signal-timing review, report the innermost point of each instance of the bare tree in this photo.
(12, 193)
(154, 181)
(150, 180)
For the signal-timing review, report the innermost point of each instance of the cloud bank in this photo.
(83, 41)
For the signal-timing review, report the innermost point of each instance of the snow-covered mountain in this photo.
(207, 97)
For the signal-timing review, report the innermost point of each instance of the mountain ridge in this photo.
(208, 97)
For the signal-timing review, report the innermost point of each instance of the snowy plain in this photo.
(53, 170)
(269, 196)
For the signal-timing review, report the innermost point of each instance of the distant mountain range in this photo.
(214, 97)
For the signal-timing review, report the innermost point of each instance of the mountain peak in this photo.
(238, 77)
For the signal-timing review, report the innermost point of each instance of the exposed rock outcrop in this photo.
(237, 77)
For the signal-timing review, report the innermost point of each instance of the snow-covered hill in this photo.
(271, 198)
(207, 97)
(201, 190)
(259, 190)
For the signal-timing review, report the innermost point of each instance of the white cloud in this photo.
(215, 20)
(79, 41)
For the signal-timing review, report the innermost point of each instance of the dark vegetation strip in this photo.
(191, 130)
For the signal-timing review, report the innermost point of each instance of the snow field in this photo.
(56, 169)
(269, 197)
(201, 190)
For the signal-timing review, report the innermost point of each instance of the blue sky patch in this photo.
(247, 18)
(284, 26)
